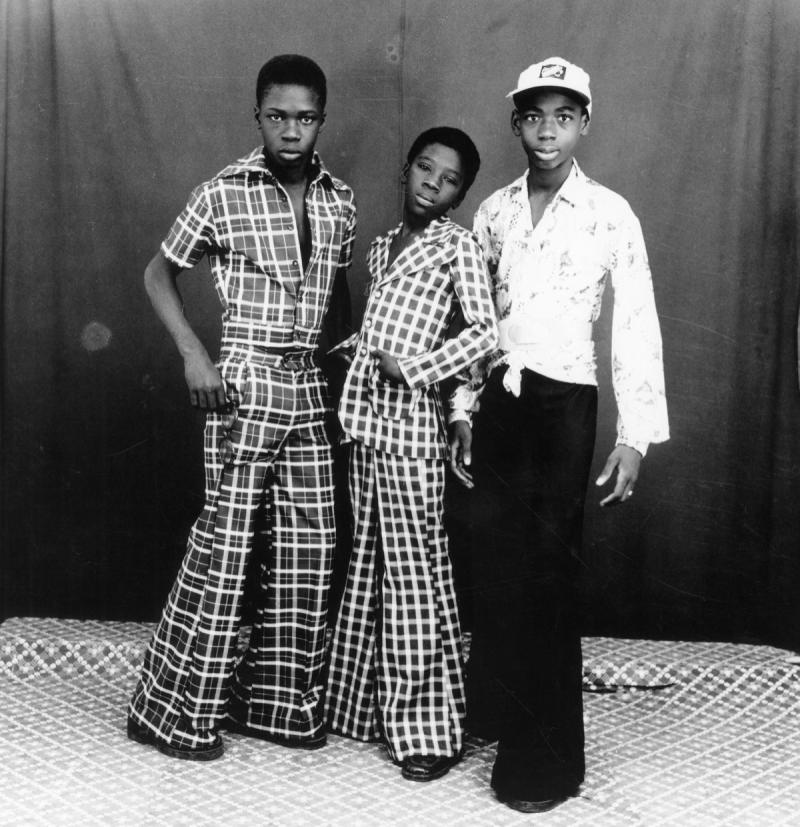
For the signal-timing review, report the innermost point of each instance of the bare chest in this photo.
(297, 199)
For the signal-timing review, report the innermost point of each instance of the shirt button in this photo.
(363, 351)
(294, 263)
(378, 293)
(368, 323)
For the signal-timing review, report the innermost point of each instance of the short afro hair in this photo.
(292, 69)
(456, 140)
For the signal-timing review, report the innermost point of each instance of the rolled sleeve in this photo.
(191, 235)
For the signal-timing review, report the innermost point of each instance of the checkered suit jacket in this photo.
(410, 307)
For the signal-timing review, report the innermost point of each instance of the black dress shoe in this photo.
(428, 767)
(291, 741)
(206, 752)
(141, 734)
(522, 806)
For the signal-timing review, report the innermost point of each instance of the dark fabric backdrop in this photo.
(114, 110)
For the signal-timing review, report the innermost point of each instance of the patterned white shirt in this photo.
(547, 284)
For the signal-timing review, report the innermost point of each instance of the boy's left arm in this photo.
(479, 334)
(637, 364)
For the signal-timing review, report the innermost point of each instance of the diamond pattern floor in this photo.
(695, 734)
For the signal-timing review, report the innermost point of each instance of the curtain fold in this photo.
(114, 110)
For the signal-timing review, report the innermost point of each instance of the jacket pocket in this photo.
(390, 399)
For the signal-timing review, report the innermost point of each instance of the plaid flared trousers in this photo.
(395, 669)
(282, 462)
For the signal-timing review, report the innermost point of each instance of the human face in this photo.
(549, 125)
(289, 120)
(433, 183)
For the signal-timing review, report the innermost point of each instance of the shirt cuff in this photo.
(413, 376)
(184, 263)
(641, 447)
(460, 416)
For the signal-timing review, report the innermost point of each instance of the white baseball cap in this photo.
(555, 73)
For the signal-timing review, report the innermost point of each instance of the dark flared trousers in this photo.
(532, 456)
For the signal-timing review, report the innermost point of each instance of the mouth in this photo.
(423, 200)
(546, 153)
(290, 154)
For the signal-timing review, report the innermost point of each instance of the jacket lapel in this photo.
(378, 255)
(429, 250)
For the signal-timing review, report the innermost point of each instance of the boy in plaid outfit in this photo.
(552, 239)
(278, 230)
(395, 662)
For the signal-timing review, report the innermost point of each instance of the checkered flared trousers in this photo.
(395, 663)
(190, 667)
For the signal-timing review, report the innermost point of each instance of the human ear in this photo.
(256, 113)
(585, 123)
(404, 173)
(515, 123)
(322, 121)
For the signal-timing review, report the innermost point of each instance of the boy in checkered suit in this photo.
(395, 662)
(278, 230)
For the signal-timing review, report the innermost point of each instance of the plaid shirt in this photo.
(410, 307)
(243, 220)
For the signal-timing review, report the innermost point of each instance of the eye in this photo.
(450, 180)
(307, 120)
(564, 117)
(273, 118)
(424, 165)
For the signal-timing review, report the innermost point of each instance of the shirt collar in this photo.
(572, 190)
(254, 162)
(437, 232)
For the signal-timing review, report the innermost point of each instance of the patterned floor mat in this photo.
(717, 744)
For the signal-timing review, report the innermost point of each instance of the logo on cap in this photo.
(553, 70)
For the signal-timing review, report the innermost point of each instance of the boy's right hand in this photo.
(461, 452)
(206, 388)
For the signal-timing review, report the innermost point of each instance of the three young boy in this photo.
(279, 231)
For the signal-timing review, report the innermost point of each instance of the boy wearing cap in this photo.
(551, 239)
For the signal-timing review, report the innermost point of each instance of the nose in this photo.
(431, 184)
(291, 131)
(547, 128)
